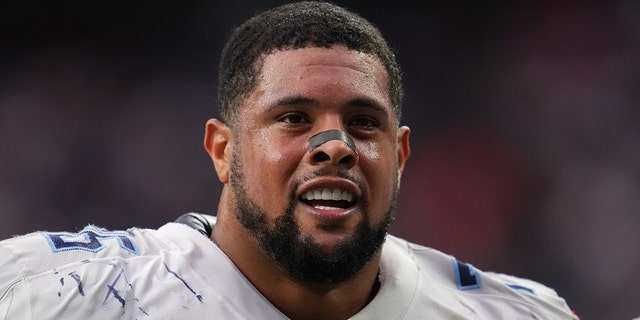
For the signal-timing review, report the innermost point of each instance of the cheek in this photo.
(269, 149)
(274, 157)
(378, 162)
(282, 151)
(368, 151)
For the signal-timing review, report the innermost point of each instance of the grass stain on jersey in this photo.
(78, 280)
(184, 282)
(61, 284)
(114, 291)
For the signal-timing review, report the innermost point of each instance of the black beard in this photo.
(301, 257)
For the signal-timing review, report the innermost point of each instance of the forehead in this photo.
(337, 56)
(313, 70)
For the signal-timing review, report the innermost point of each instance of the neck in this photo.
(296, 300)
(337, 302)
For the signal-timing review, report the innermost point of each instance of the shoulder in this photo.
(50, 273)
(44, 250)
(460, 283)
(37, 252)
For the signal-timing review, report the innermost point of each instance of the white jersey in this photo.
(177, 273)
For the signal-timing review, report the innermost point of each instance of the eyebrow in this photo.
(302, 101)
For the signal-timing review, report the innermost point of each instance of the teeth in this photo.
(328, 194)
(326, 208)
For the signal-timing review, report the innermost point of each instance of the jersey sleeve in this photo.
(543, 293)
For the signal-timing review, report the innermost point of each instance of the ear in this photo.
(218, 141)
(404, 150)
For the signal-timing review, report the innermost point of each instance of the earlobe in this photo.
(218, 142)
(404, 150)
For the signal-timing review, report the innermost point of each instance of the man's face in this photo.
(320, 213)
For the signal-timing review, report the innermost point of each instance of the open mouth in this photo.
(328, 199)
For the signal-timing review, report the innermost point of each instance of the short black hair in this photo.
(293, 26)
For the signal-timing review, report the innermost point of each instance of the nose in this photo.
(336, 153)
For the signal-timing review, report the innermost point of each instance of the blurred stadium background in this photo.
(524, 117)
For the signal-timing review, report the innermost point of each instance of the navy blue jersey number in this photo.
(89, 239)
(467, 277)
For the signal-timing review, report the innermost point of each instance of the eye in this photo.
(294, 118)
(364, 122)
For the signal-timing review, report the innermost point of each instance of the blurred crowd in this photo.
(525, 136)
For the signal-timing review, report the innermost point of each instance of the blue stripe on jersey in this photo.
(467, 277)
(521, 288)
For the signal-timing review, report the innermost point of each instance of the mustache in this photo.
(326, 172)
